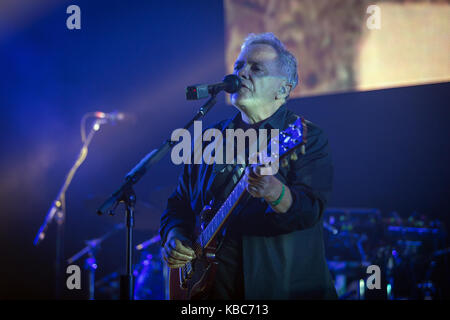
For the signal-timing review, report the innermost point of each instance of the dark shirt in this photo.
(282, 253)
(229, 277)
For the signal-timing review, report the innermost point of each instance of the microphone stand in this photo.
(126, 194)
(57, 211)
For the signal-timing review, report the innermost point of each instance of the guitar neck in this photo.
(216, 223)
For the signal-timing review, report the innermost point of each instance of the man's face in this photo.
(258, 68)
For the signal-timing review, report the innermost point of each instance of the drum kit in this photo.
(150, 275)
(150, 272)
(410, 253)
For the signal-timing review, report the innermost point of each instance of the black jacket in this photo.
(283, 254)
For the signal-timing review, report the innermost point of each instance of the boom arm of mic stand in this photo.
(151, 158)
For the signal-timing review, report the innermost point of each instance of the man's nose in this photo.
(243, 72)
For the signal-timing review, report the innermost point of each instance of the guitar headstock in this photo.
(293, 137)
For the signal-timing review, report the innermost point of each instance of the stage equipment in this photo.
(151, 274)
(231, 84)
(57, 210)
(91, 263)
(408, 251)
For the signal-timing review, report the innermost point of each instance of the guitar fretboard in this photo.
(222, 214)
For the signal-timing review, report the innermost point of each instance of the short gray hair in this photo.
(288, 62)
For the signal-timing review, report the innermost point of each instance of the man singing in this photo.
(273, 247)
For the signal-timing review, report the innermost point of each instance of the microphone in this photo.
(112, 116)
(230, 83)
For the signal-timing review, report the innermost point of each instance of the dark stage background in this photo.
(390, 147)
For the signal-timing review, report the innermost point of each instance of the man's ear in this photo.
(284, 91)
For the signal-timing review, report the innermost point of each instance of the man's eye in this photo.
(256, 68)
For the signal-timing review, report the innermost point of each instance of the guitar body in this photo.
(197, 285)
(195, 282)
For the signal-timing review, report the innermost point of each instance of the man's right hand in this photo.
(176, 252)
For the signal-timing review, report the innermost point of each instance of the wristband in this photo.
(277, 202)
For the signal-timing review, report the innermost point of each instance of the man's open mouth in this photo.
(244, 86)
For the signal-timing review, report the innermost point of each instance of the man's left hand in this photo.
(262, 186)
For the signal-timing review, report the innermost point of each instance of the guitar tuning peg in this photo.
(284, 163)
(302, 149)
(294, 156)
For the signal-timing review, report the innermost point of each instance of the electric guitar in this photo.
(194, 280)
